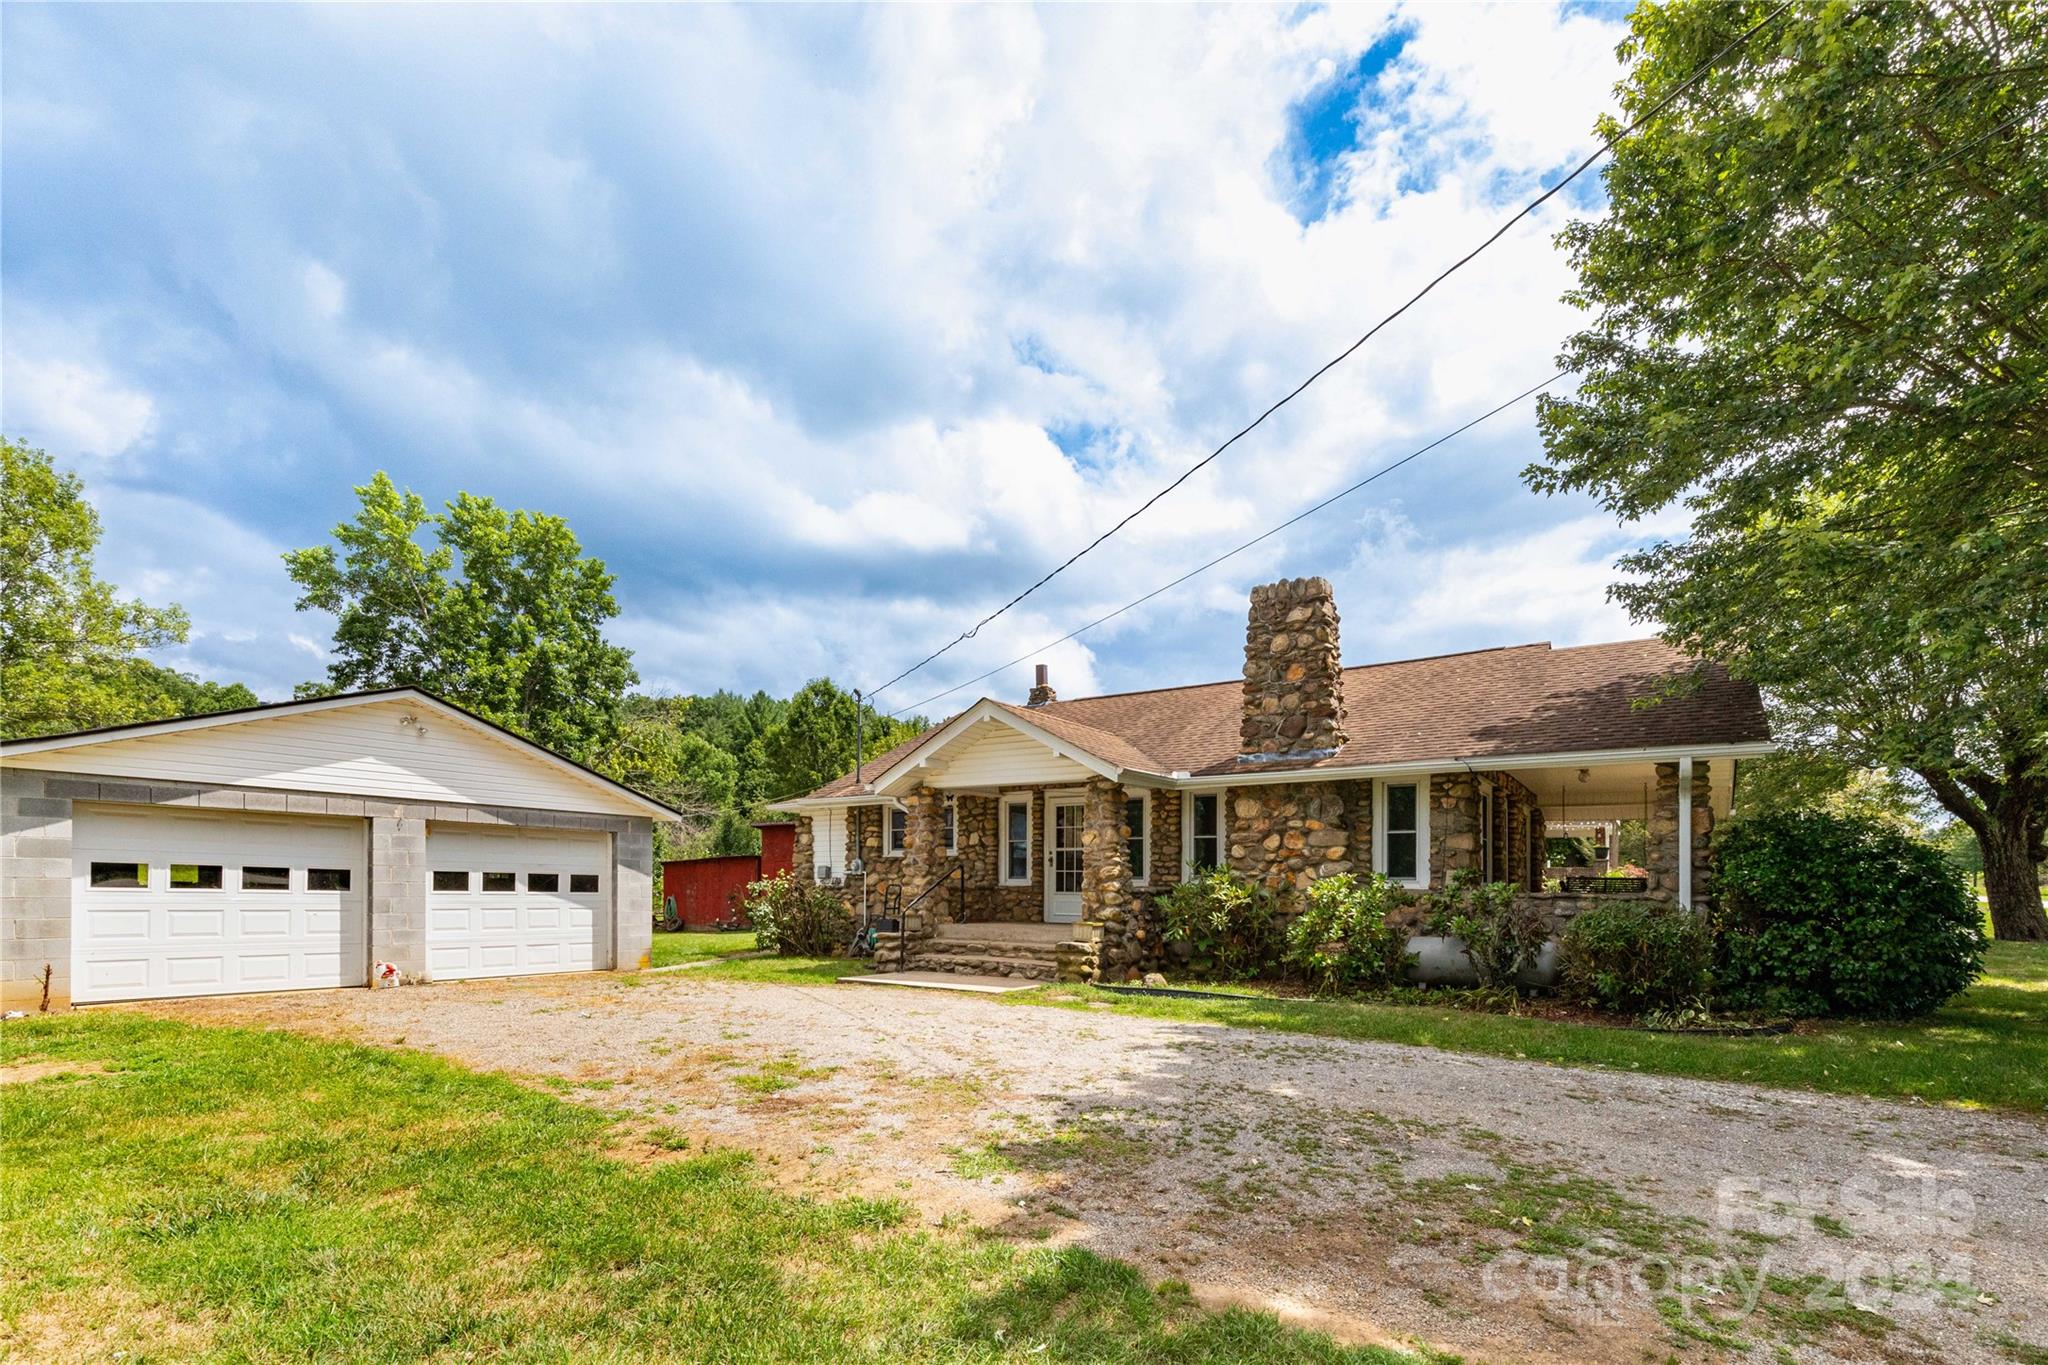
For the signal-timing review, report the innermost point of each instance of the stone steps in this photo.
(978, 964)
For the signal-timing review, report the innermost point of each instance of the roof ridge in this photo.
(1348, 668)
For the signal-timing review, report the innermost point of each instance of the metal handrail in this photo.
(958, 870)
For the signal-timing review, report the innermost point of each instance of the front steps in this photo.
(1020, 952)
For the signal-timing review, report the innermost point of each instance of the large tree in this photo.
(1817, 307)
(815, 740)
(70, 644)
(503, 615)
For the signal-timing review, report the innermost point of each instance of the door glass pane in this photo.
(583, 882)
(501, 881)
(266, 879)
(451, 881)
(327, 879)
(1066, 850)
(120, 874)
(543, 881)
(195, 876)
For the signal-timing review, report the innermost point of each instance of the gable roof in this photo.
(1492, 704)
(14, 750)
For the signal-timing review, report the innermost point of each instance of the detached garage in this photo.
(297, 846)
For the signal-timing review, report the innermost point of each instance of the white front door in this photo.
(169, 903)
(1063, 817)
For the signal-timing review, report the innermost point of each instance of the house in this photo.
(707, 892)
(1030, 839)
(295, 845)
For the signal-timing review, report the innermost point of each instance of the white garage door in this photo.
(514, 902)
(181, 903)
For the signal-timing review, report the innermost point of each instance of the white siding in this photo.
(828, 840)
(348, 751)
(994, 755)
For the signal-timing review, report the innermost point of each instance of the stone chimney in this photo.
(1041, 688)
(1293, 673)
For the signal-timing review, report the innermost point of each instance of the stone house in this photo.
(1030, 840)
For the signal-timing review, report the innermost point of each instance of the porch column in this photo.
(1685, 832)
(1105, 853)
(1681, 825)
(925, 860)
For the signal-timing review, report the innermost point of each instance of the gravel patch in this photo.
(1505, 1210)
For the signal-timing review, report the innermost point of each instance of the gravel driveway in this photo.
(1505, 1210)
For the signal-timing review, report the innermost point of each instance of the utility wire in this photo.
(1699, 74)
(1302, 515)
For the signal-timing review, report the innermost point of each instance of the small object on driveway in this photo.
(388, 976)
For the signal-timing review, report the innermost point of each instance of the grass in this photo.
(1987, 1048)
(670, 949)
(232, 1194)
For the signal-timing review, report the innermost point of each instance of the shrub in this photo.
(1826, 914)
(1230, 924)
(1341, 940)
(1502, 932)
(1632, 956)
(797, 920)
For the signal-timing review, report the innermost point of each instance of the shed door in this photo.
(176, 903)
(507, 902)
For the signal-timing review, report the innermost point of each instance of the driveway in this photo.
(1505, 1210)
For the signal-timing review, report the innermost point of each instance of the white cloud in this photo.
(72, 406)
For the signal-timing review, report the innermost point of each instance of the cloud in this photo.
(828, 329)
(74, 406)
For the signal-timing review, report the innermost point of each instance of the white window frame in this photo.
(1187, 827)
(1420, 881)
(1142, 834)
(1027, 801)
(892, 847)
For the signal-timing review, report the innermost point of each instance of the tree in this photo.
(1821, 780)
(70, 647)
(504, 616)
(1816, 322)
(814, 741)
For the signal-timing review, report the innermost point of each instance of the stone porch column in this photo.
(1665, 843)
(1106, 903)
(925, 861)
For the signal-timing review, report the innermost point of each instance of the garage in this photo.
(514, 902)
(382, 838)
(179, 904)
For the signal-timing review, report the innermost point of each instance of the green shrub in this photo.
(797, 920)
(1503, 932)
(1341, 940)
(1825, 914)
(1631, 956)
(1229, 923)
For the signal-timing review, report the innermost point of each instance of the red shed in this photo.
(710, 891)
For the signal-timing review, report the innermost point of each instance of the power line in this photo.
(1699, 74)
(1268, 534)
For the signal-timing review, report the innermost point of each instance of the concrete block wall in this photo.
(36, 819)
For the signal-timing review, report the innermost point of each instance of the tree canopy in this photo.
(70, 645)
(815, 740)
(504, 615)
(1816, 311)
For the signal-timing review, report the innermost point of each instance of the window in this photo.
(1017, 842)
(451, 881)
(1137, 811)
(1401, 832)
(501, 881)
(195, 876)
(1205, 831)
(952, 827)
(543, 881)
(266, 879)
(899, 822)
(327, 879)
(582, 883)
(120, 874)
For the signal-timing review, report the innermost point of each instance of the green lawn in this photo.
(188, 1192)
(669, 949)
(1988, 1048)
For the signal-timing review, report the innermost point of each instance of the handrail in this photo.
(956, 870)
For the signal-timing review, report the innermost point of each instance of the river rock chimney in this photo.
(1041, 688)
(1293, 673)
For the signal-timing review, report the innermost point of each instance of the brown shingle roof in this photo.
(1489, 703)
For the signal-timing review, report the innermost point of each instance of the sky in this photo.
(828, 329)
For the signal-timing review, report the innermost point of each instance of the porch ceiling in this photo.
(1613, 791)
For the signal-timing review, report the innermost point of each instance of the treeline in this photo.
(498, 611)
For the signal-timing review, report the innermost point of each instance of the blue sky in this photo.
(827, 328)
